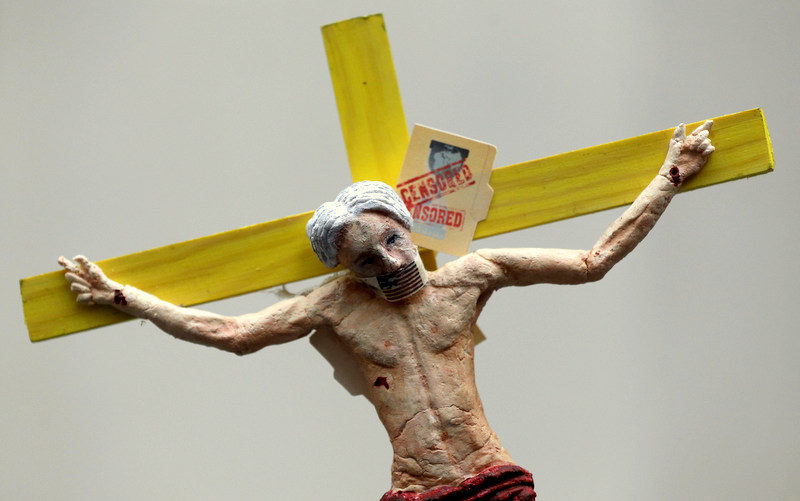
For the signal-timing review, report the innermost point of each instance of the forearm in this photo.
(631, 227)
(501, 267)
(189, 324)
(285, 321)
(685, 157)
(504, 267)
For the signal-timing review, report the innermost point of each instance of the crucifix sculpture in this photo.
(416, 354)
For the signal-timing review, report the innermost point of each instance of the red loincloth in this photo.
(496, 483)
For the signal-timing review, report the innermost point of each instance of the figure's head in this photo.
(366, 228)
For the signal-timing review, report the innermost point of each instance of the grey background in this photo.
(128, 125)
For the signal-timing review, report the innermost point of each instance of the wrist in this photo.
(120, 299)
(134, 301)
(672, 174)
(116, 295)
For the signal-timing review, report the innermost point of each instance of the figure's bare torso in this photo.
(416, 357)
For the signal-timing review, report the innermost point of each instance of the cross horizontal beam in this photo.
(612, 174)
(527, 194)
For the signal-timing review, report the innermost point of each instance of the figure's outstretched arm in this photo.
(685, 157)
(282, 322)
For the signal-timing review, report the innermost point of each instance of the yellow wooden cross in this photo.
(376, 135)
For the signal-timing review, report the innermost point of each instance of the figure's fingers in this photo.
(680, 133)
(81, 260)
(68, 265)
(92, 269)
(86, 298)
(709, 150)
(674, 149)
(96, 273)
(698, 141)
(75, 279)
(706, 126)
(79, 287)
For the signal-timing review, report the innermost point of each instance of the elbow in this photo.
(595, 266)
(237, 341)
(239, 348)
(595, 274)
(225, 334)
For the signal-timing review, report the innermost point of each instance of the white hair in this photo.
(331, 217)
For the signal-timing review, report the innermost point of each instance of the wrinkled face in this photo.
(375, 244)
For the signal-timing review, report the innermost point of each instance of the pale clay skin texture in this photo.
(421, 347)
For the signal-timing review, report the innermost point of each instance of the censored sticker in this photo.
(445, 185)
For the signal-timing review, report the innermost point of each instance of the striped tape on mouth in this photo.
(404, 282)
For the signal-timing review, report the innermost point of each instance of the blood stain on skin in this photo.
(674, 173)
(381, 381)
(119, 298)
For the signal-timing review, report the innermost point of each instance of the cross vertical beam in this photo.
(368, 97)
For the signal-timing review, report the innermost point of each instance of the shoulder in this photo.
(335, 299)
(472, 269)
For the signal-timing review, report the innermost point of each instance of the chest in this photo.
(430, 322)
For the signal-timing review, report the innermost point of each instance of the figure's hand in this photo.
(687, 155)
(90, 283)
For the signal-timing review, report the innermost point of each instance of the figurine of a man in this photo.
(409, 330)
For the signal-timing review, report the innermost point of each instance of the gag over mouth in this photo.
(402, 283)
